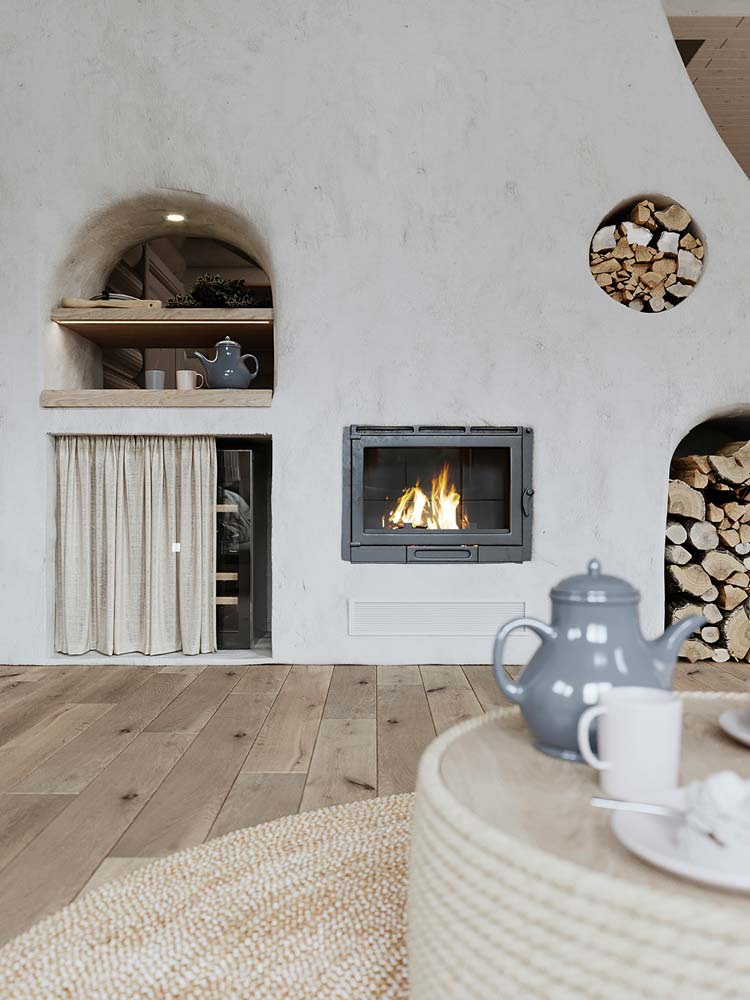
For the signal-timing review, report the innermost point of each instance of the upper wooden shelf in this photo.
(168, 327)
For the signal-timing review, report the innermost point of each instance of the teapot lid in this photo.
(594, 587)
(227, 342)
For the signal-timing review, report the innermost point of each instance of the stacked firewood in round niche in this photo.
(650, 259)
(708, 551)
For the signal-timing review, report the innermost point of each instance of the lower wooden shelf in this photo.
(155, 397)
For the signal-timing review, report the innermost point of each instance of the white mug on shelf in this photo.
(639, 731)
(188, 379)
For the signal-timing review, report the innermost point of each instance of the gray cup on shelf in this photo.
(154, 378)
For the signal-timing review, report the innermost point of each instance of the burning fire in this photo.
(439, 511)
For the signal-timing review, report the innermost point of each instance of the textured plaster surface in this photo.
(706, 8)
(421, 181)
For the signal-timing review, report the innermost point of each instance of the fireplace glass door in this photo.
(436, 489)
(452, 489)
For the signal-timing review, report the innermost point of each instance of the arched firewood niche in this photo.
(707, 548)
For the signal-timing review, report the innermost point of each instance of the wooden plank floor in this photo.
(104, 768)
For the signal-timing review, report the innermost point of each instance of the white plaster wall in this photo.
(423, 178)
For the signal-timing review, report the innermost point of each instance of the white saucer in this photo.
(654, 839)
(736, 723)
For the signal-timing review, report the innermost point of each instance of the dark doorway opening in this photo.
(243, 543)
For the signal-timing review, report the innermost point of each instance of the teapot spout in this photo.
(197, 354)
(668, 646)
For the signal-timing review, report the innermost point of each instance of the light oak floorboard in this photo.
(286, 741)
(21, 674)
(70, 769)
(112, 868)
(22, 817)
(398, 674)
(12, 683)
(184, 809)
(739, 670)
(344, 765)
(687, 677)
(705, 677)
(258, 798)
(263, 679)
(54, 866)
(352, 694)
(449, 695)
(23, 705)
(191, 710)
(185, 669)
(108, 684)
(61, 724)
(22, 709)
(485, 687)
(405, 728)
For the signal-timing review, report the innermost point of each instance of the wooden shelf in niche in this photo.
(168, 327)
(165, 328)
(155, 397)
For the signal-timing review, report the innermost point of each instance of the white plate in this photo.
(736, 723)
(654, 839)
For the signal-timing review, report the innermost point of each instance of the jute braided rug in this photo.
(309, 907)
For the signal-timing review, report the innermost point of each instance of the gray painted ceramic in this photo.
(593, 641)
(228, 369)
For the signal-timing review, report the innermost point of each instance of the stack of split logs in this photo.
(650, 260)
(708, 551)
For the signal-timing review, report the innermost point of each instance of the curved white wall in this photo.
(425, 177)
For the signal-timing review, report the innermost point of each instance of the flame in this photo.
(438, 512)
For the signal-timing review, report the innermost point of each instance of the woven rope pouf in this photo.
(517, 887)
(309, 907)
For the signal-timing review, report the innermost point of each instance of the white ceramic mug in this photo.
(639, 731)
(188, 379)
(154, 378)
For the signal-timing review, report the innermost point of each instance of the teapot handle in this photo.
(512, 690)
(257, 364)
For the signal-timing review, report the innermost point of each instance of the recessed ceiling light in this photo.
(174, 217)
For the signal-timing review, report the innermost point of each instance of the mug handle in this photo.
(584, 732)
(202, 380)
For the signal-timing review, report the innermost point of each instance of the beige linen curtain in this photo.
(121, 504)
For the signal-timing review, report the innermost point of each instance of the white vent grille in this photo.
(431, 618)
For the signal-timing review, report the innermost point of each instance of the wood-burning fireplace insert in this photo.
(437, 494)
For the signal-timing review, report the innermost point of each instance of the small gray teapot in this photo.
(228, 369)
(594, 642)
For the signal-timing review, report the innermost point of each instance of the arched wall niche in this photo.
(714, 430)
(108, 233)
(72, 362)
(707, 536)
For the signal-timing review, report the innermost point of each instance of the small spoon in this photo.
(642, 807)
(646, 807)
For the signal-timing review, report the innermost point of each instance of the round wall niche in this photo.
(647, 254)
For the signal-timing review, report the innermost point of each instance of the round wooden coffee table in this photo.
(518, 887)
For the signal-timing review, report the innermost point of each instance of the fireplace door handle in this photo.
(526, 496)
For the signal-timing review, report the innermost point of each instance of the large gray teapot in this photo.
(594, 642)
(228, 369)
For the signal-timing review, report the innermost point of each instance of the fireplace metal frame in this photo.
(405, 546)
